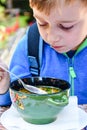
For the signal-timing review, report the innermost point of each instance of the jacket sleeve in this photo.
(19, 64)
(5, 99)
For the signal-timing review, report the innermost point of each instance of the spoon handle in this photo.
(28, 87)
(13, 75)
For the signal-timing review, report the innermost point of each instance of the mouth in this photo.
(57, 47)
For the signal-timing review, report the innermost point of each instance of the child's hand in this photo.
(4, 79)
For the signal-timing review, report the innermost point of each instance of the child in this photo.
(62, 25)
(4, 86)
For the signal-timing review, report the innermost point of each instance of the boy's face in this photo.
(63, 31)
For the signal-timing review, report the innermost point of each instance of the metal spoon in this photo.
(30, 88)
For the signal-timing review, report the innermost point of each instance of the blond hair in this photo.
(47, 5)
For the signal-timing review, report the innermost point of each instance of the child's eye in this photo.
(65, 28)
(42, 25)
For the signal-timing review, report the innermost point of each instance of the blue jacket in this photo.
(55, 65)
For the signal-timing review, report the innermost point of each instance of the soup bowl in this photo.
(40, 108)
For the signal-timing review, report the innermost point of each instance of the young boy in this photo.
(62, 25)
(4, 86)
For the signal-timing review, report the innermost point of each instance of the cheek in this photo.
(43, 34)
(80, 31)
(73, 40)
(70, 39)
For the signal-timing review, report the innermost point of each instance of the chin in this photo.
(61, 51)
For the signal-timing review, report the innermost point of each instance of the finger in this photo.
(0, 78)
(1, 70)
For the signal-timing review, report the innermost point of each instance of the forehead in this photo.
(65, 12)
(48, 5)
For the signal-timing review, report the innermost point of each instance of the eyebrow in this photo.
(62, 21)
(36, 16)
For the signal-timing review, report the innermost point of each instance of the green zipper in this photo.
(72, 76)
(72, 72)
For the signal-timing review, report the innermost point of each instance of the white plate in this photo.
(71, 118)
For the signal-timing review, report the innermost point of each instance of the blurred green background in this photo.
(14, 14)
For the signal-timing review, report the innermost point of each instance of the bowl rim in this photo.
(68, 86)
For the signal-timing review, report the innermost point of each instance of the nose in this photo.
(53, 36)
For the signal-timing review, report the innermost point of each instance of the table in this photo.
(3, 109)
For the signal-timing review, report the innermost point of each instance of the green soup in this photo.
(49, 89)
